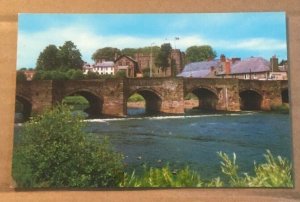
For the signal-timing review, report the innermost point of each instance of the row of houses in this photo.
(249, 68)
(135, 66)
(256, 68)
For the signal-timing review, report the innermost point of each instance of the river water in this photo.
(193, 140)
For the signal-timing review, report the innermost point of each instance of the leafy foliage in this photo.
(199, 53)
(56, 152)
(120, 74)
(21, 76)
(107, 53)
(70, 74)
(50, 75)
(64, 57)
(283, 109)
(48, 59)
(136, 98)
(162, 60)
(144, 50)
(163, 177)
(69, 56)
(276, 172)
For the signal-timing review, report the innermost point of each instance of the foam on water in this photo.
(168, 117)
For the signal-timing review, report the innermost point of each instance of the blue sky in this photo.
(233, 34)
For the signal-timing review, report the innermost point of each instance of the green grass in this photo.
(275, 172)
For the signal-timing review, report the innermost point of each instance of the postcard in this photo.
(152, 100)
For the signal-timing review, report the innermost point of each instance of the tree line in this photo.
(65, 62)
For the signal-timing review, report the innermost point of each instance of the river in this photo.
(193, 140)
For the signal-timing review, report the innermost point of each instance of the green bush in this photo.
(75, 99)
(284, 108)
(136, 98)
(92, 75)
(121, 74)
(76, 102)
(56, 152)
(21, 76)
(77, 75)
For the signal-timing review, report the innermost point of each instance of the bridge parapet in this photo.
(110, 96)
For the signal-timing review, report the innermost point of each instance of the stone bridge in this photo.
(109, 97)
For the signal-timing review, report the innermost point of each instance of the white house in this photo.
(102, 68)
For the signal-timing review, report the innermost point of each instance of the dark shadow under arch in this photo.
(95, 103)
(26, 107)
(153, 101)
(250, 100)
(285, 96)
(208, 99)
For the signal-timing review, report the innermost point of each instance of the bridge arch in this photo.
(25, 107)
(208, 97)
(153, 99)
(95, 101)
(250, 99)
(285, 95)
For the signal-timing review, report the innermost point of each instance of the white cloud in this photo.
(259, 44)
(31, 44)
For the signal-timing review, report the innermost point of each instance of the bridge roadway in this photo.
(109, 96)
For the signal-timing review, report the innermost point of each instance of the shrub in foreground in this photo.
(56, 152)
(275, 172)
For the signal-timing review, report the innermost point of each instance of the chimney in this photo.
(222, 58)
(234, 60)
(274, 64)
(227, 67)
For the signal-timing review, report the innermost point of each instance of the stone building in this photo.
(135, 66)
(145, 60)
(128, 65)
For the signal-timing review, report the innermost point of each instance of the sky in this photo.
(234, 34)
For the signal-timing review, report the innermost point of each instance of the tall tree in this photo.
(107, 53)
(129, 51)
(69, 56)
(48, 59)
(163, 59)
(199, 53)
